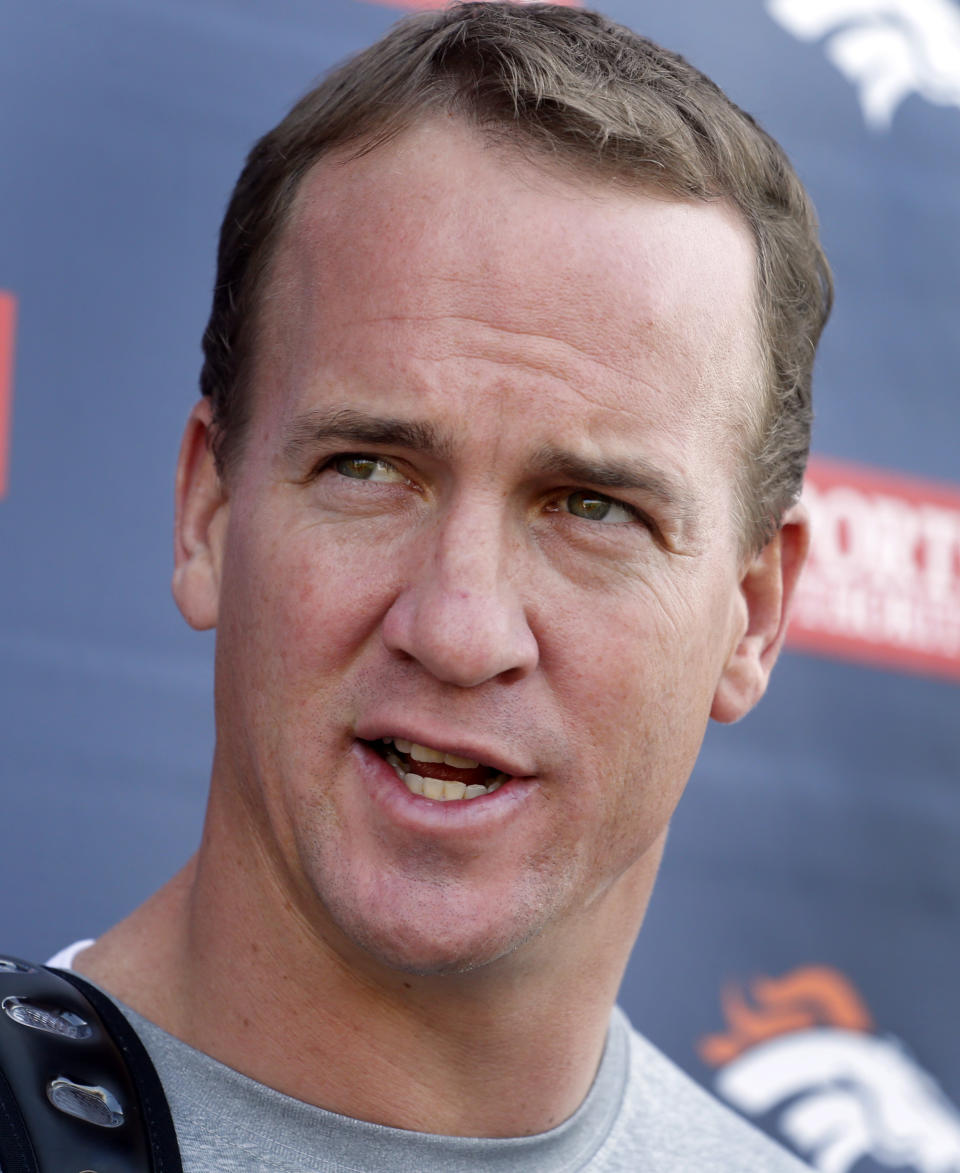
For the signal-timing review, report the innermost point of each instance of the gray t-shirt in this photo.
(642, 1115)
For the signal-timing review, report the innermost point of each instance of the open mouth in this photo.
(433, 773)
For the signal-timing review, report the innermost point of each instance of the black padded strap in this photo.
(108, 1059)
(16, 1151)
(161, 1137)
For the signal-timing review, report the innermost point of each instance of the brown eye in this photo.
(366, 468)
(594, 507)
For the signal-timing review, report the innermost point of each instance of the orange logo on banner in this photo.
(804, 1048)
(883, 581)
(813, 996)
(8, 307)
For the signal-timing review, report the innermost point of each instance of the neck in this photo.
(224, 963)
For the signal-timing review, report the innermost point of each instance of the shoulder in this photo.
(670, 1124)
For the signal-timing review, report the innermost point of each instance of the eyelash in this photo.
(329, 463)
(610, 502)
(359, 457)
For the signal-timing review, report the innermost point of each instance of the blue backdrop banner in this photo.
(801, 954)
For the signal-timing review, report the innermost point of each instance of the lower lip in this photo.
(390, 792)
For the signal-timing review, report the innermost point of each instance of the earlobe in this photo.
(767, 589)
(199, 524)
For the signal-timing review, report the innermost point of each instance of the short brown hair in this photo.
(573, 85)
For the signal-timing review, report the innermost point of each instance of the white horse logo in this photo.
(804, 1045)
(886, 48)
(848, 1095)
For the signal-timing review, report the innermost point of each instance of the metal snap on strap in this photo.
(52, 1020)
(11, 965)
(96, 1105)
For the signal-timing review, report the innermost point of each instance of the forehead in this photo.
(445, 245)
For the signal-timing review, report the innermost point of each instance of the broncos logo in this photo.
(806, 1045)
(886, 48)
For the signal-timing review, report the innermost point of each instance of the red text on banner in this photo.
(8, 311)
(882, 585)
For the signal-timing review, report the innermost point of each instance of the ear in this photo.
(202, 508)
(766, 591)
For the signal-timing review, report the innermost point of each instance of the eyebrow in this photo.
(306, 432)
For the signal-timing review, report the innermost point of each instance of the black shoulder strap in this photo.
(77, 1088)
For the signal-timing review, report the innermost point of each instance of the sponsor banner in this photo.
(802, 1055)
(8, 309)
(882, 585)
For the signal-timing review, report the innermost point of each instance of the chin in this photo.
(430, 915)
(432, 953)
(432, 944)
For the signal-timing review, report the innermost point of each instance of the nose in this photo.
(459, 613)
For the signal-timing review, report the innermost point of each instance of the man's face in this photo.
(486, 506)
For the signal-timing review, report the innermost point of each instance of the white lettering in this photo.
(883, 570)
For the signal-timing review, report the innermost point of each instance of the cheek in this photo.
(297, 613)
(644, 660)
(298, 604)
(635, 688)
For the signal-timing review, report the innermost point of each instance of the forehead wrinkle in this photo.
(551, 357)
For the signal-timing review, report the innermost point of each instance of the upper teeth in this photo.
(438, 788)
(423, 753)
